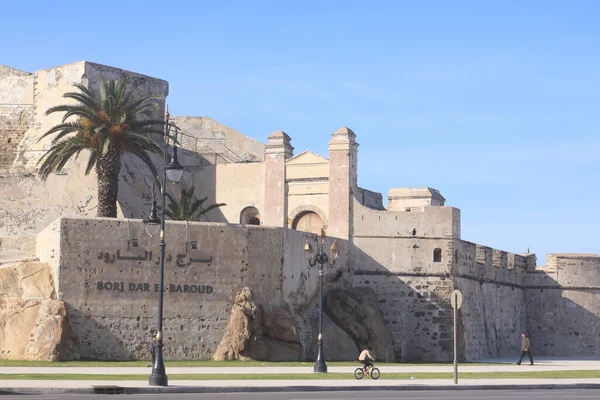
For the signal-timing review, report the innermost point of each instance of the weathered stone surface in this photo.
(240, 329)
(31, 329)
(47, 337)
(254, 333)
(32, 325)
(280, 334)
(411, 255)
(36, 280)
(17, 318)
(27, 280)
(356, 313)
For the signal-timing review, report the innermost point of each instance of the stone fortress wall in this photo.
(402, 262)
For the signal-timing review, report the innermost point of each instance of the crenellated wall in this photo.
(563, 307)
(493, 313)
(404, 261)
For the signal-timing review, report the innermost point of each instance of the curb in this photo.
(275, 389)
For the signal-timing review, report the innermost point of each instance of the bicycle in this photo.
(371, 370)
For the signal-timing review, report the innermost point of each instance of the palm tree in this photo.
(118, 121)
(188, 208)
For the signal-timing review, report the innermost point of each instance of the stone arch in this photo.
(306, 210)
(249, 215)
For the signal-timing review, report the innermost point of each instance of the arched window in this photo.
(308, 221)
(437, 255)
(250, 216)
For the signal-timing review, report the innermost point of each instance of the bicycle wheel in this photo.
(375, 374)
(359, 373)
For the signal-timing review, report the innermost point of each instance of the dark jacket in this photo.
(525, 344)
(152, 347)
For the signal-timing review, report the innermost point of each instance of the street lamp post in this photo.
(321, 259)
(173, 171)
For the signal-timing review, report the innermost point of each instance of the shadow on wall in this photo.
(402, 318)
(563, 313)
(136, 195)
(364, 305)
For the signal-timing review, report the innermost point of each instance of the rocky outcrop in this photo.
(32, 323)
(242, 324)
(257, 333)
(280, 334)
(357, 315)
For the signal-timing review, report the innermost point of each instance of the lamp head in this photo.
(174, 169)
(321, 239)
(308, 250)
(152, 224)
(334, 251)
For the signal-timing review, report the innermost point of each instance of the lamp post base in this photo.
(158, 380)
(320, 366)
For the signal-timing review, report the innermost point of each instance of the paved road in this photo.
(554, 394)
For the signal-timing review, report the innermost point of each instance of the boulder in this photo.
(258, 333)
(29, 280)
(17, 318)
(357, 314)
(32, 323)
(47, 337)
(239, 328)
(280, 334)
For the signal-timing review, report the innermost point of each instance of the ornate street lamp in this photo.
(173, 171)
(321, 259)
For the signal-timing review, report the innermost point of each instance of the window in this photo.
(250, 216)
(437, 255)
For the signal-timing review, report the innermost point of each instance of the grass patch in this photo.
(312, 376)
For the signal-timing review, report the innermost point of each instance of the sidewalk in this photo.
(266, 385)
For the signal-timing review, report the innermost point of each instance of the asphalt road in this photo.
(553, 394)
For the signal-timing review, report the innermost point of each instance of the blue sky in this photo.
(495, 104)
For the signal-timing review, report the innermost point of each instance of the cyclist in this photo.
(365, 359)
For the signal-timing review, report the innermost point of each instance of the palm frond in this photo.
(118, 119)
(59, 154)
(62, 129)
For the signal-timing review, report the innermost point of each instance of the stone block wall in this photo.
(563, 311)
(432, 222)
(15, 119)
(493, 313)
(416, 311)
(110, 288)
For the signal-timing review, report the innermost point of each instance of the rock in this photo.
(36, 280)
(17, 318)
(27, 280)
(338, 344)
(239, 328)
(47, 338)
(280, 334)
(357, 314)
(259, 333)
(32, 325)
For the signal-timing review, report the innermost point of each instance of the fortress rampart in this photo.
(398, 269)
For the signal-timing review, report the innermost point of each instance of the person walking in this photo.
(525, 348)
(152, 349)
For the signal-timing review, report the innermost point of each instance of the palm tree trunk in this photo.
(107, 173)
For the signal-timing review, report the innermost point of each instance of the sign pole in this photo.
(456, 302)
(455, 362)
